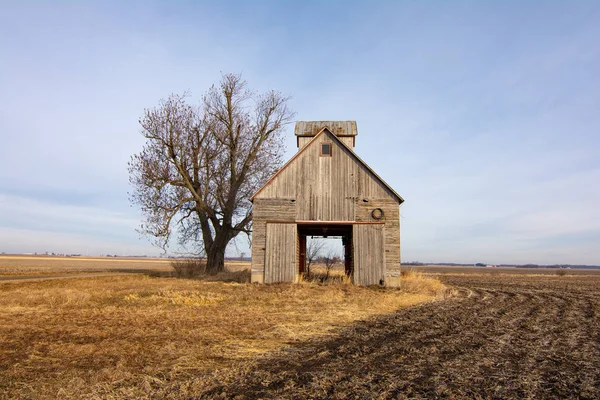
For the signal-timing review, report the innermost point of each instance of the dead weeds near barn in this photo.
(125, 336)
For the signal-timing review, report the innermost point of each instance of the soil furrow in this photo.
(512, 337)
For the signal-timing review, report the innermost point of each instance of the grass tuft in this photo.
(189, 267)
(413, 281)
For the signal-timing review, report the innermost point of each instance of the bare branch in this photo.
(200, 164)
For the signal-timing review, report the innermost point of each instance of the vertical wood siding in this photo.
(348, 141)
(280, 255)
(369, 256)
(391, 218)
(303, 141)
(315, 188)
(264, 209)
(325, 188)
(259, 235)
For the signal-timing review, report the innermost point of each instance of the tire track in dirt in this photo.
(528, 338)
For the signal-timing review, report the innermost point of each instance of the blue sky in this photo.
(484, 116)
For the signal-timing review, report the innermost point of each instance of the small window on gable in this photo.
(325, 149)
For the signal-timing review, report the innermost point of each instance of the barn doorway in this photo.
(336, 238)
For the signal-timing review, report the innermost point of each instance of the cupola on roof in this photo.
(338, 128)
(346, 130)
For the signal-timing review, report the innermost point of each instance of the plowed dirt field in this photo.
(503, 336)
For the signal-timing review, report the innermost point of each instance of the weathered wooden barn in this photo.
(325, 189)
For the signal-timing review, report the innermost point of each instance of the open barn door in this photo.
(280, 253)
(369, 254)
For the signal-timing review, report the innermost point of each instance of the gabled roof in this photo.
(352, 154)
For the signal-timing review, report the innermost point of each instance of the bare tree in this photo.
(200, 164)
(330, 260)
(313, 250)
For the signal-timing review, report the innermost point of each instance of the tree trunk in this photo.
(215, 258)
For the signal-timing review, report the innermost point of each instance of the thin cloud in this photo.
(483, 116)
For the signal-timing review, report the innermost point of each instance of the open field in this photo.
(502, 334)
(443, 269)
(29, 266)
(18, 265)
(136, 336)
(507, 336)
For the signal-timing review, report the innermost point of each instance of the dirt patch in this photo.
(506, 336)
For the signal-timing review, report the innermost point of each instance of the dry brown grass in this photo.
(414, 281)
(127, 336)
(29, 266)
(51, 265)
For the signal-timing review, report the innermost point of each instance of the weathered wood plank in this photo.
(281, 254)
(259, 231)
(369, 255)
(391, 218)
(268, 209)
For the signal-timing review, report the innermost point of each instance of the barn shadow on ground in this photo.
(355, 361)
(476, 345)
